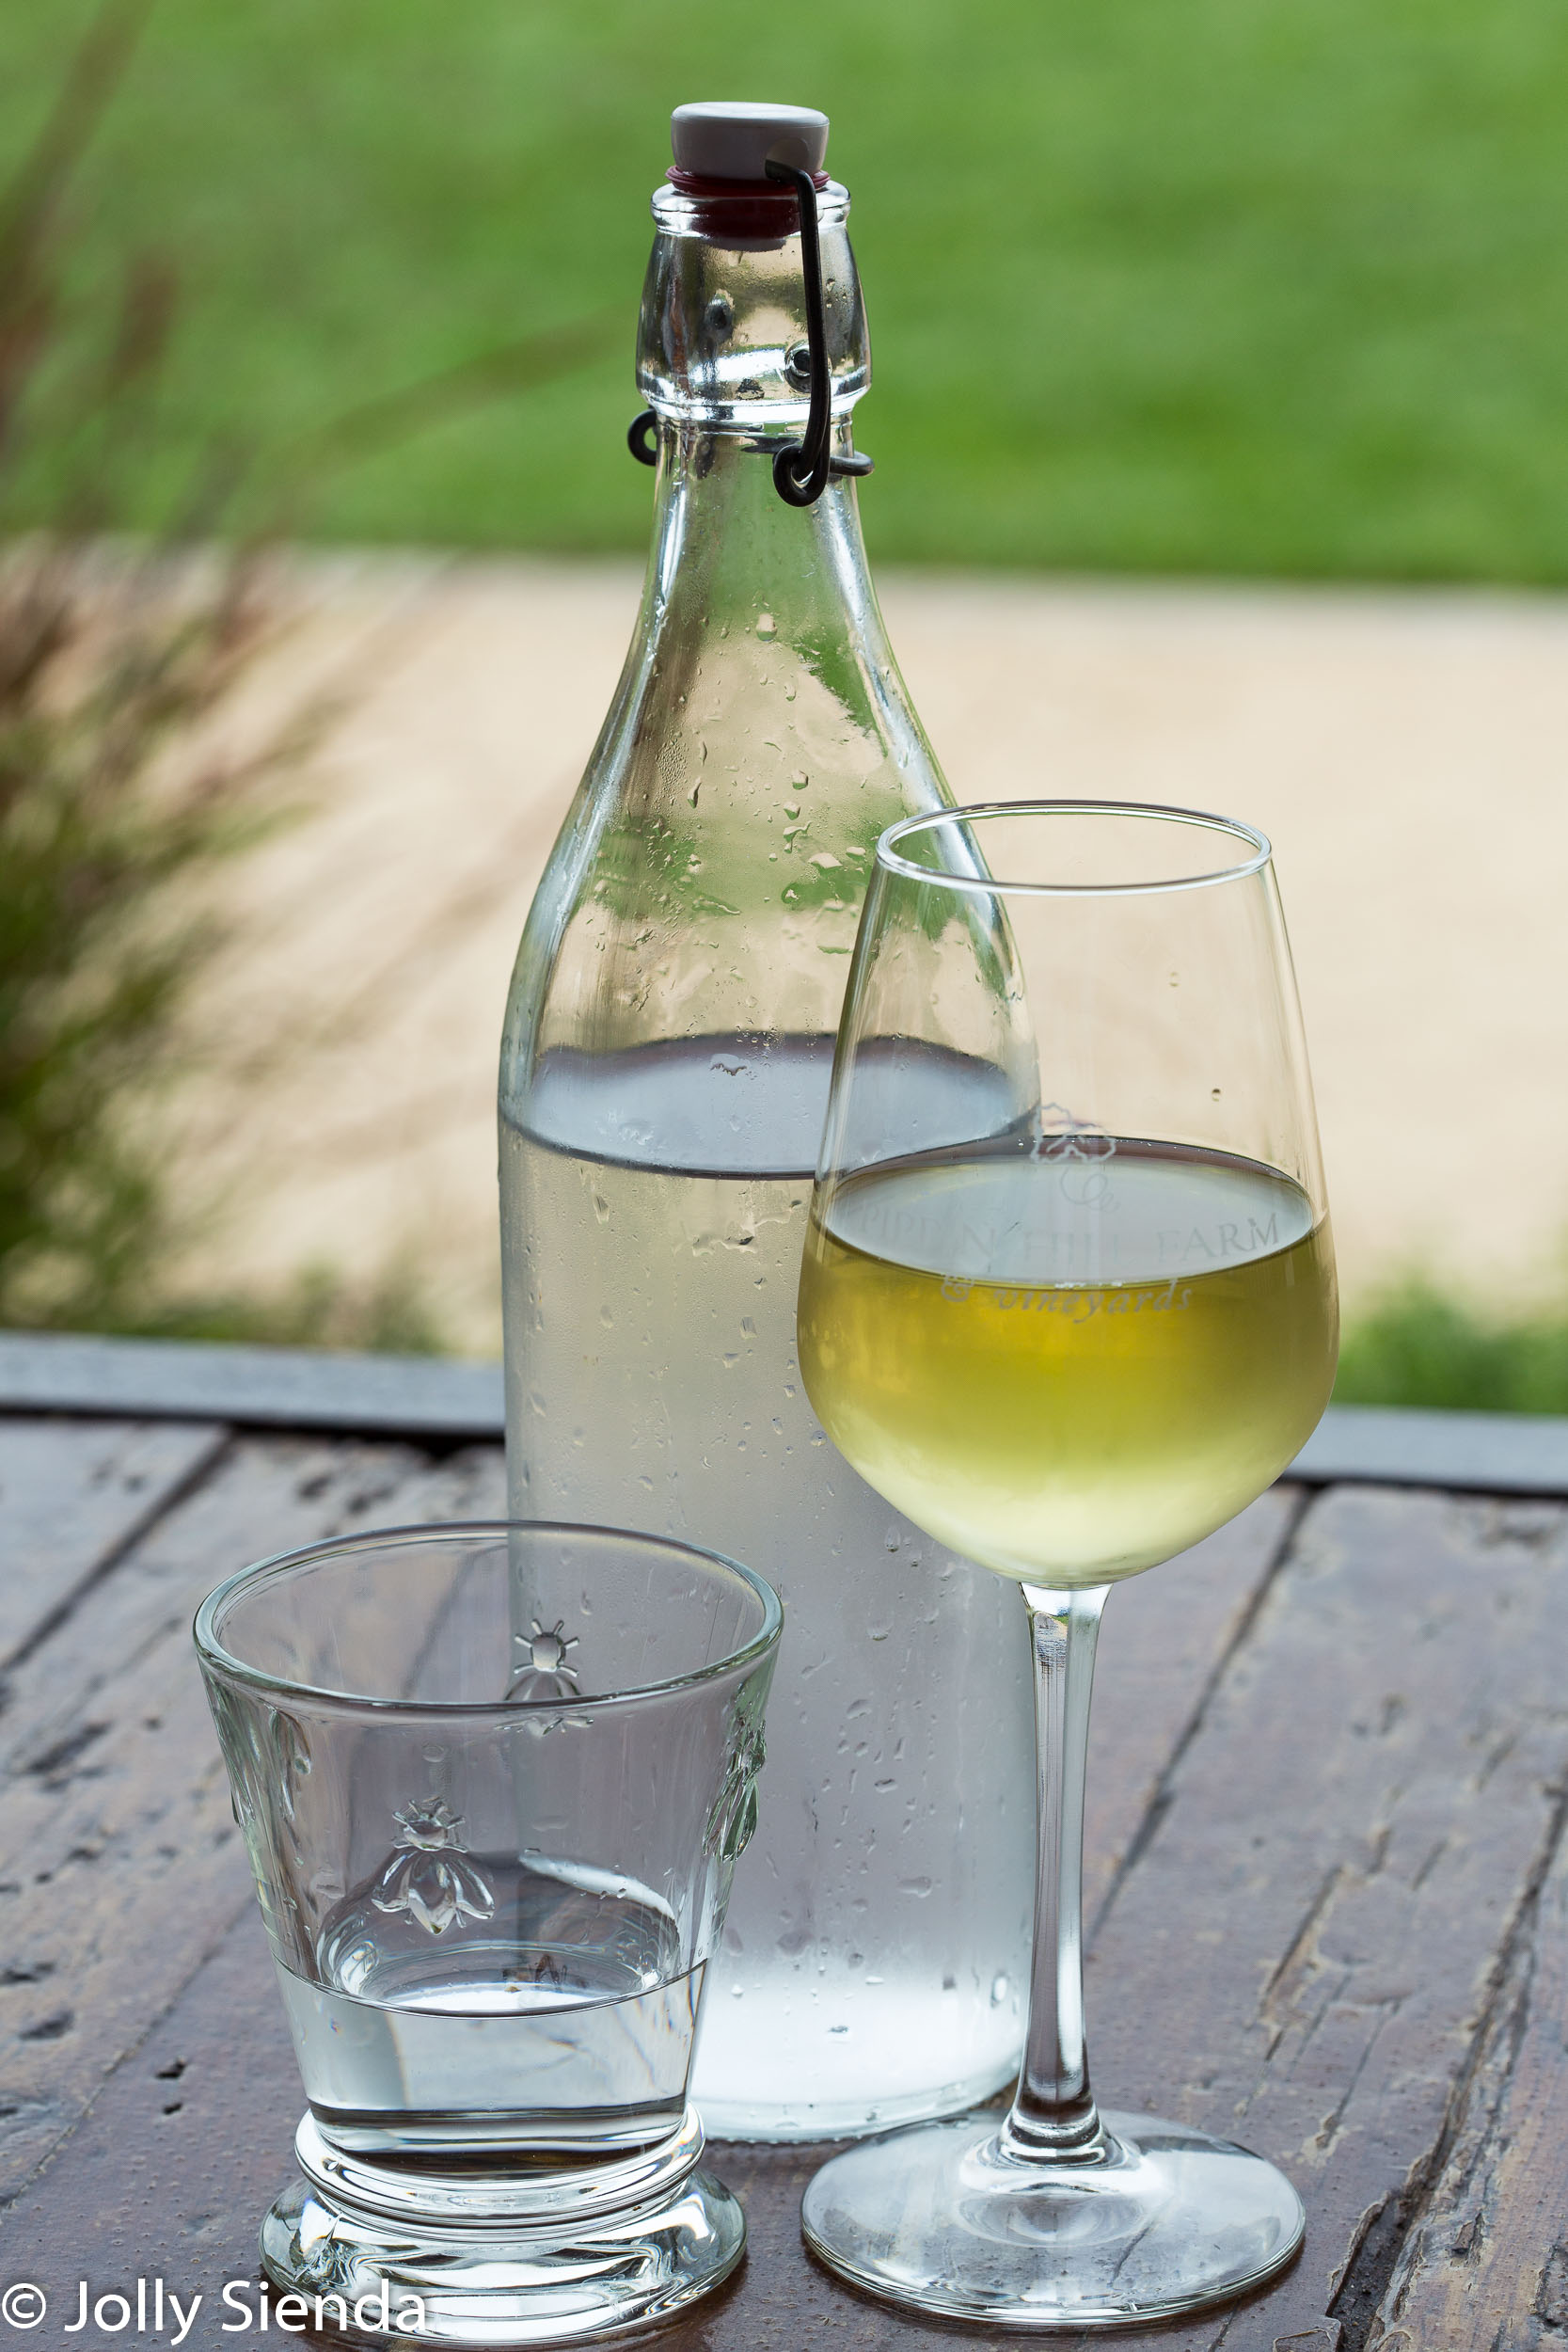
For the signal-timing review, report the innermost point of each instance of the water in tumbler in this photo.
(556, 2022)
(861, 1940)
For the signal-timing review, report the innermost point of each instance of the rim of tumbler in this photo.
(210, 1651)
(888, 858)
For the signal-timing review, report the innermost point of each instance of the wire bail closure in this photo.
(802, 469)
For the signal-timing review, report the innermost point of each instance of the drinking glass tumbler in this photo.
(493, 1864)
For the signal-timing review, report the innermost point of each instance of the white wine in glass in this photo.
(1070, 1346)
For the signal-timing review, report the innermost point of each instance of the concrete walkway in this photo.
(1407, 753)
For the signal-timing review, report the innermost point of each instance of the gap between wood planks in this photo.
(1298, 1502)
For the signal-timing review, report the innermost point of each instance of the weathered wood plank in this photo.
(71, 1495)
(136, 2192)
(1484, 2258)
(422, 1398)
(119, 1864)
(1311, 1942)
(1307, 1947)
(1164, 1638)
(169, 2176)
(1492, 1454)
(258, 1387)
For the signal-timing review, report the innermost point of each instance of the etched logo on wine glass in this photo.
(1061, 1137)
(1078, 1150)
(432, 1881)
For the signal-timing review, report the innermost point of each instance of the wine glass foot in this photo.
(938, 2218)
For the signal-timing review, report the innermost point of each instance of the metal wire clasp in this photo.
(801, 469)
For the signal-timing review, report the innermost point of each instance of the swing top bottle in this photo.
(668, 1044)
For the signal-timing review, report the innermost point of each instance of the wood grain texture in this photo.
(171, 2170)
(1484, 2258)
(186, 2146)
(1337, 1930)
(72, 1494)
(120, 1866)
(1312, 1943)
(1163, 1640)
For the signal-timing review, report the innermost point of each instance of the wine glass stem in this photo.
(1052, 2112)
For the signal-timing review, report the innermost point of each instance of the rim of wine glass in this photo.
(221, 1660)
(888, 858)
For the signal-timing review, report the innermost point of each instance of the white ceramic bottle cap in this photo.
(735, 141)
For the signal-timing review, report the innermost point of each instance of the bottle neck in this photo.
(730, 560)
(722, 337)
(724, 364)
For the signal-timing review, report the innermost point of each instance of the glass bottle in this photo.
(664, 1072)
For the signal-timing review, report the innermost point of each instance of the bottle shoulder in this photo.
(709, 877)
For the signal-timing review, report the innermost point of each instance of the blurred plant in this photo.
(98, 677)
(1417, 1346)
(115, 812)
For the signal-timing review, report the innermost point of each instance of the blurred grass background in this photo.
(1177, 286)
(1421, 1346)
(1204, 286)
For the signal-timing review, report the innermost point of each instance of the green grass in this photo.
(1236, 286)
(1419, 1346)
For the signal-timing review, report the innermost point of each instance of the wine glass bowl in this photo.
(1067, 1300)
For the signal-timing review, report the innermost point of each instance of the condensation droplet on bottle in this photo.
(799, 780)
(790, 692)
(893, 1538)
(1213, 1094)
(1000, 1988)
(601, 1208)
(1175, 979)
(766, 626)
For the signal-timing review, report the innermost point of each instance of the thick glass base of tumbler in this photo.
(403, 2257)
(941, 2220)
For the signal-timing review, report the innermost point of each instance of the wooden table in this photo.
(1327, 1874)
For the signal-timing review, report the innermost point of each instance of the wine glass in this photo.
(1069, 1301)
